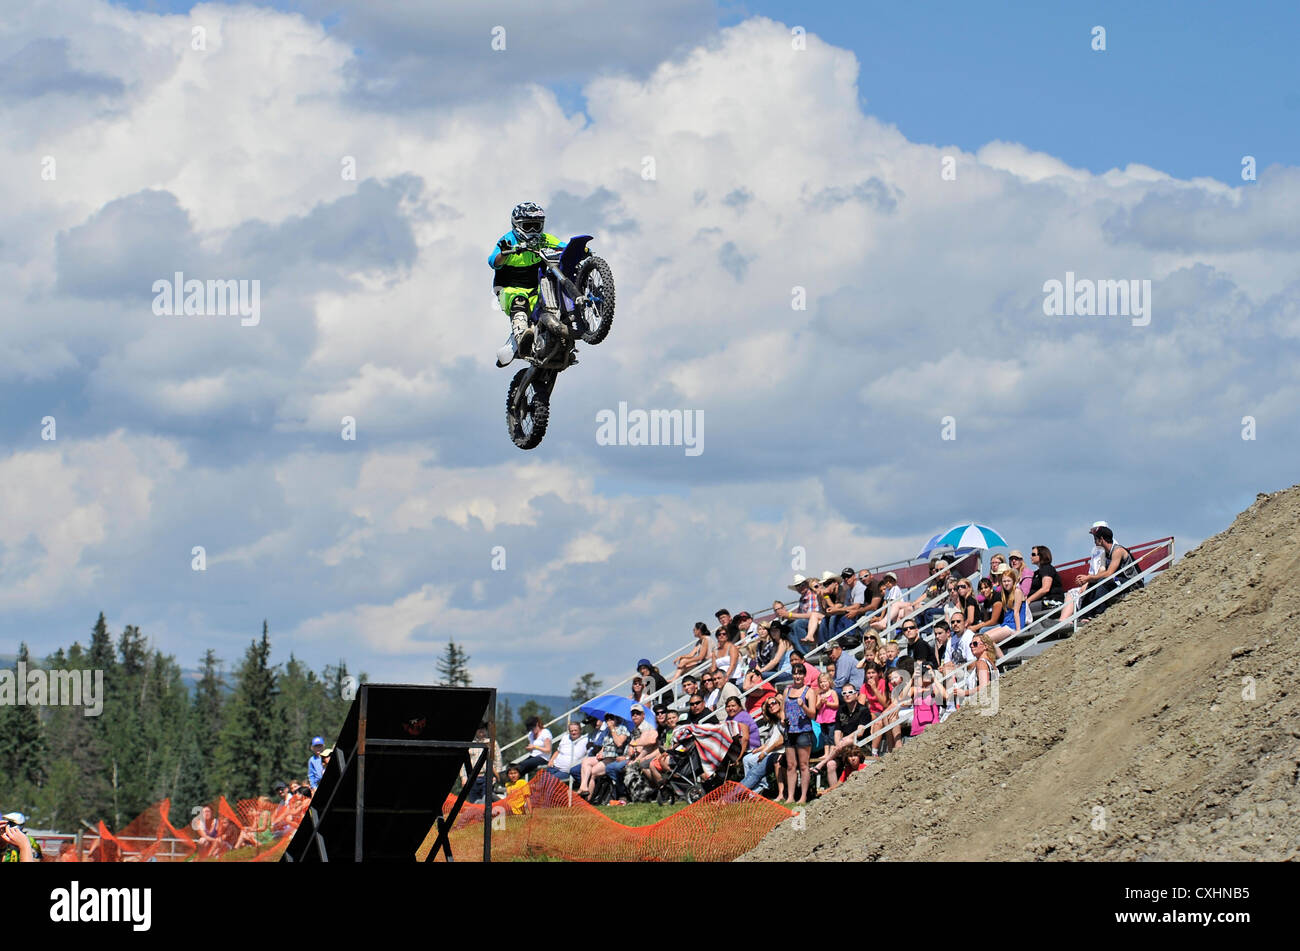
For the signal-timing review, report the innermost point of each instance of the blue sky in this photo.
(777, 169)
(1188, 87)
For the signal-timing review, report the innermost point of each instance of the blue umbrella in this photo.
(968, 536)
(621, 707)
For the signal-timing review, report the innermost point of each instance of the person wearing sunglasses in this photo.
(918, 648)
(1015, 611)
(983, 672)
(769, 753)
(697, 711)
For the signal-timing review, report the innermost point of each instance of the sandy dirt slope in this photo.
(1168, 729)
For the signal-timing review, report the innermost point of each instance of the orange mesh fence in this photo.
(253, 830)
(726, 823)
(723, 825)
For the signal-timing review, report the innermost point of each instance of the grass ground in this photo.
(640, 813)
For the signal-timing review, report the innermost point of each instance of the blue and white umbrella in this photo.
(968, 537)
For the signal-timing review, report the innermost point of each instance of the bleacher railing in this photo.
(908, 565)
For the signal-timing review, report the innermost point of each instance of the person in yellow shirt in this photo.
(517, 794)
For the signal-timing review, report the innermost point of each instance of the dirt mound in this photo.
(1168, 729)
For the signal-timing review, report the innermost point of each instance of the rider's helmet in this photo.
(527, 219)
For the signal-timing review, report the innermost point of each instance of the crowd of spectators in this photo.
(877, 682)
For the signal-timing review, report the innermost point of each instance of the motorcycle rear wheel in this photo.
(527, 427)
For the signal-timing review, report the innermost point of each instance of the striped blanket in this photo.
(711, 741)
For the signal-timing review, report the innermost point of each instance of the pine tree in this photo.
(246, 754)
(23, 749)
(586, 688)
(453, 667)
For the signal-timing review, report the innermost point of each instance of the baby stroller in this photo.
(699, 760)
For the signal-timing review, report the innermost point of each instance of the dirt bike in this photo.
(575, 300)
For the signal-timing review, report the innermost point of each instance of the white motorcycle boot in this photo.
(520, 342)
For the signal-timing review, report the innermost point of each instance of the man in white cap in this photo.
(1076, 598)
(806, 617)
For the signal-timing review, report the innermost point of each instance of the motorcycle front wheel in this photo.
(527, 412)
(595, 283)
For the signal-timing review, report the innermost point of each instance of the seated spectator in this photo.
(969, 603)
(722, 688)
(701, 652)
(690, 688)
(991, 609)
(641, 748)
(493, 774)
(806, 615)
(947, 678)
(777, 667)
(726, 657)
(1046, 593)
(848, 731)
(899, 712)
(897, 606)
(918, 648)
(927, 693)
(661, 714)
(849, 761)
(997, 565)
(769, 752)
(638, 689)
(757, 691)
(1121, 567)
(517, 794)
(983, 672)
(697, 710)
(749, 738)
(891, 654)
(952, 603)
(943, 643)
(875, 696)
(1015, 616)
(724, 620)
(593, 767)
(746, 628)
(1077, 597)
(848, 605)
(1023, 574)
(846, 672)
(566, 761)
(538, 751)
(936, 587)
(654, 680)
(209, 830)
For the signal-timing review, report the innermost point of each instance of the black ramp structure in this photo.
(394, 763)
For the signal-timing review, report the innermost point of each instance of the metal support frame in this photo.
(357, 757)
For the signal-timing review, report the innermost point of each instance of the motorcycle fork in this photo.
(542, 381)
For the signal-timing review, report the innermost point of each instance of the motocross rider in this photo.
(516, 265)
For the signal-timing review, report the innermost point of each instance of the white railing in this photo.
(1072, 622)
